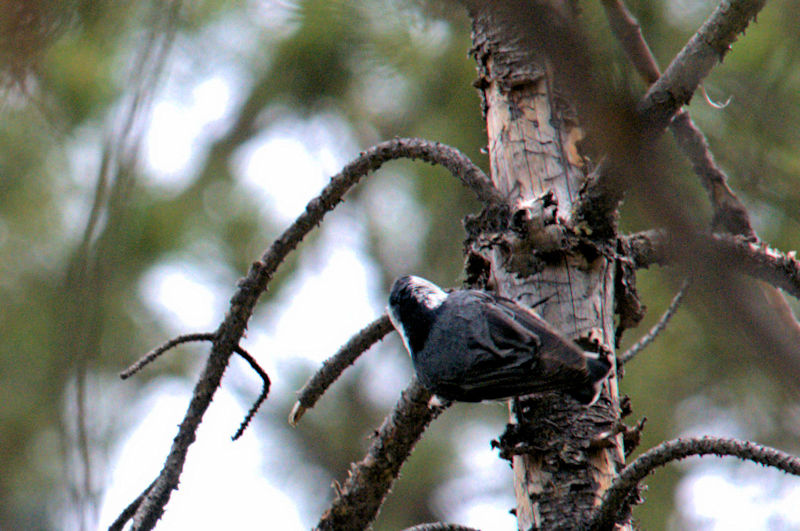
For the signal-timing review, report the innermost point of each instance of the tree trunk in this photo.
(564, 455)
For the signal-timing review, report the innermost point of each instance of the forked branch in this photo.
(729, 212)
(228, 335)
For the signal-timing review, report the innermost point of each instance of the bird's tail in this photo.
(599, 365)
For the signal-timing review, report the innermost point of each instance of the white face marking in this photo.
(399, 327)
(432, 295)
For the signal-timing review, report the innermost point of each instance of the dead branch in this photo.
(674, 88)
(333, 367)
(161, 349)
(729, 212)
(657, 328)
(368, 482)
(158, 351)
(440, 526)
(781, 270)
(261, 397)
(708, 46)
(627, 30)
(231, 330)
(617, 500)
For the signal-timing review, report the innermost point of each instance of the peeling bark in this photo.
(536, 254)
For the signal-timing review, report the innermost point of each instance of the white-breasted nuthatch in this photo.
(469, 345)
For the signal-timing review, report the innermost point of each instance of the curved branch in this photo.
(616, 500)
(648, 338)
(231, 330)
(161, 349)
(261, 397)
(368, 482)
(781, 270)
(333, 367)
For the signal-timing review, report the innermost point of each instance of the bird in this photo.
(471, 345)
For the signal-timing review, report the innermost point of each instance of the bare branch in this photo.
(368, 482)
(729, 212)
(334, 366)
(708, 46)
(657, 328)
(627, 30)
(440, 526)
(781, 270)
(230, 331)
(616, 503)
(264, 391)
(128, 512)
(605, 189)
(158, 351)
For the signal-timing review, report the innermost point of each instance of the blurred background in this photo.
(149, 151)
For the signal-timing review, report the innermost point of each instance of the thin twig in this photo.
(158, 351)
(128, 512)
(657, 328)
(161, 349)
(368, 482)
(616, 503)
(333, 367)
(250, 288)
(440, 526)
(260, 400)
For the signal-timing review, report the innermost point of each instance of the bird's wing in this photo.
(521, 354)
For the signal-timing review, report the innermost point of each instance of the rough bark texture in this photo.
(533, 253)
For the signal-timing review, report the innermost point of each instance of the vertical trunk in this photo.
(561, 462)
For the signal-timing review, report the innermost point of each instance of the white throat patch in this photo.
(399, 327)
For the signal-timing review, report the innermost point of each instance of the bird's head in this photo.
(413, 305)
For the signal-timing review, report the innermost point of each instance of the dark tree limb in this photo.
(128, 512)
(231, 330)
(334, 366)
(440, 526)
(730, 214)
(674, 88)
(707, 47)
(616, 502)
(161, 349)
(360, 497)
(158, 351)
(628, 32)
(261, 397)
(781, 270)
(656, 329)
